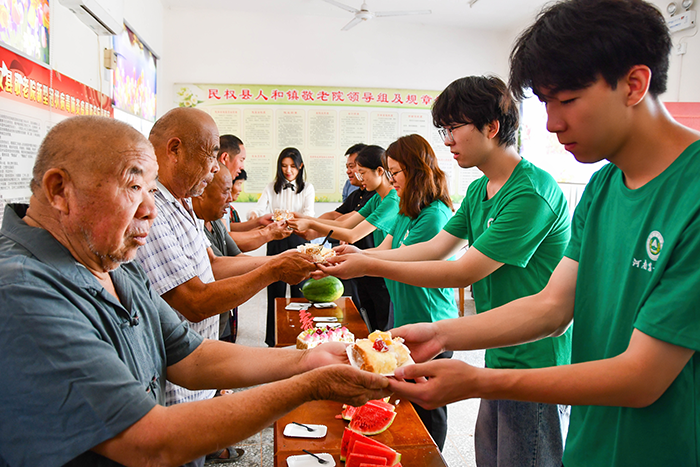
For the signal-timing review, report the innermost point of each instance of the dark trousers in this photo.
(435, 420)
(279, 289)
(374, 298)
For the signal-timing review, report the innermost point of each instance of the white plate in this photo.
(297, 306)
(325, 318)
(310, 461)
(325, 305)
(296, 431)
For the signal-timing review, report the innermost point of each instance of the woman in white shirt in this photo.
(288, 192)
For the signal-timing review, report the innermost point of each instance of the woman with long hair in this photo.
(424, 209)
(288, 192)
(376, 217)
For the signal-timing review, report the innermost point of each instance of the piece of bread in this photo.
(379, 353)
(282, 215)
(319, 253)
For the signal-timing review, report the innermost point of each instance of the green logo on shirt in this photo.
(655, 242)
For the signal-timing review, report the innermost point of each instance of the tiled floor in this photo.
(459, 447)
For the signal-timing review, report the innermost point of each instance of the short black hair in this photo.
(479, 100)
(355, 149)
(241, 176)
(371, 157)
(573, 43)
(230, 144)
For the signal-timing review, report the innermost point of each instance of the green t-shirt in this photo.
(420, 304)
(382, 214)
(638, 253)
(526, 227)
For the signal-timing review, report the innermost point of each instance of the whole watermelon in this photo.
(326, 289)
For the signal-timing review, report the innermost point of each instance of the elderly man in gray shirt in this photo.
(86, 345)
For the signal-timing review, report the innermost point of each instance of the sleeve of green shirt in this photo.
(429, 224)
(515, 234)
(384, 216)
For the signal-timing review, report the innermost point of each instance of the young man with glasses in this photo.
(516, 220)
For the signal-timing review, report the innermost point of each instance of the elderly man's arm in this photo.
(254, 239)
(197, 300)
(177, 434)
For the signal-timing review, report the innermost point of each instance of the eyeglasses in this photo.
(392, 175)
(358, 176)
(446, 132)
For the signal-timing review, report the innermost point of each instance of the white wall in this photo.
(207, 46)
(77, 52)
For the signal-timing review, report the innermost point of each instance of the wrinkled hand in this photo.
(447, 381)
(278, 230)
(318, 274)
(346, 249)
(422, 339)
(344, 383)
(265, 220)
(292, 267)
(346, 266)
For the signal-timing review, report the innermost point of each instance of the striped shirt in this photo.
(175, 252)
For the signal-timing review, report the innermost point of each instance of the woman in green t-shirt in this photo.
(424, 209)
(376, 217)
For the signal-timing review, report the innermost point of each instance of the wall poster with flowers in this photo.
(24, 27)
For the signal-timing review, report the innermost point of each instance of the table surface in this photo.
(407, 434)
(288, 325)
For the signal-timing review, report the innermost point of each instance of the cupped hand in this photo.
(278, 230)
(422, 339)
(438, 382)
(328, 353)
(347, 384)
(265, 220)
(292, 267)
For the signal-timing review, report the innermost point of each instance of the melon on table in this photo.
(371, 419)
(351, 438)
(326, 289)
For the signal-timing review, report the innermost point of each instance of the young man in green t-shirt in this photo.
(630, 276)
(516, 220)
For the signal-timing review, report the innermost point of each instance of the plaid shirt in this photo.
(175, 252)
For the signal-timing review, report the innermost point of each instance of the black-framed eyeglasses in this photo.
(446, 132)
(392, 175)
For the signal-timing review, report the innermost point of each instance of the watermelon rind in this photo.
(348, 412)
(381, 403)
(360, 447)
(371, 419)
(326, 289)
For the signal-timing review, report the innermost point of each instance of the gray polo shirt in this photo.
(77, 366)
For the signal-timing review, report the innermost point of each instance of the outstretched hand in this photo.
(329, 353)
(347, 384)
(347, 266)
(438, 382)
(278, 230)
(422, 339)
(292, 266)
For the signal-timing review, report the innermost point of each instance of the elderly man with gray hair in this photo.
(87, 345)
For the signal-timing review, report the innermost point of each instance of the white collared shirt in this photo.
(286, 199)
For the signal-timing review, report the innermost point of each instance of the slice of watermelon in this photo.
(383, 404)
(354, 460)
(361, 447)
(350, 437)
(371, 419)
(370, 465)
(348, 412)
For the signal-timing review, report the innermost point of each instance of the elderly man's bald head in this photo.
(186, 142)
(83, 144)
(212, 204)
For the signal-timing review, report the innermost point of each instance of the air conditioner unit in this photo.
(104, 17)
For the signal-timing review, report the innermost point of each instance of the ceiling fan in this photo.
(364, 14)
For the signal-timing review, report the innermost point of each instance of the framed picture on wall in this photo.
(135, 76)
(24, 28)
